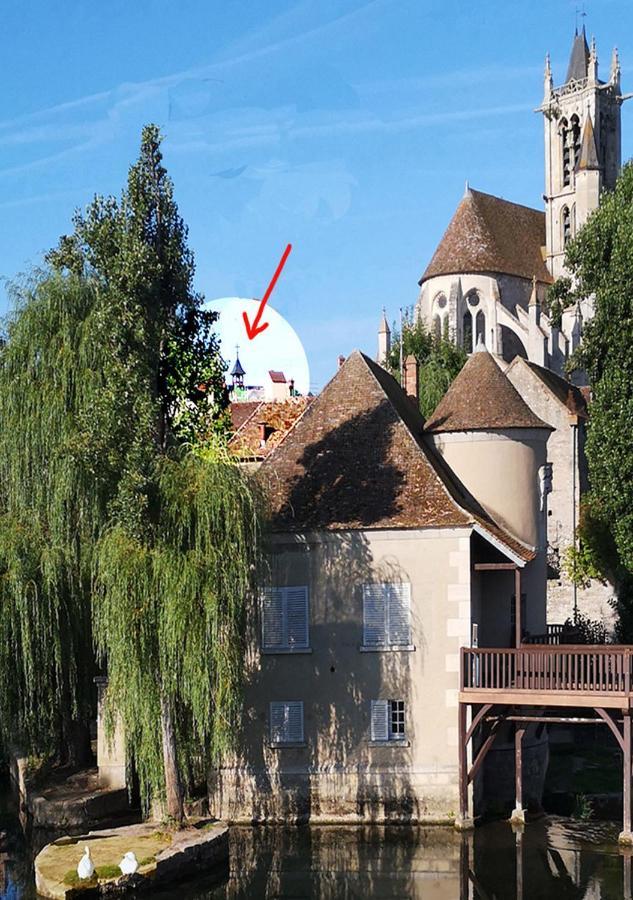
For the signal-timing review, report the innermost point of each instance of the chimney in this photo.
(411, 373)
(340, 361)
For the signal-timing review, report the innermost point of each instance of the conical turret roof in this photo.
(482, 399)
(579, 59)
(588, 158)
(237, 369)
(489, 234)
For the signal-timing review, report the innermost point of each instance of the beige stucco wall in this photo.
(337, 774)
(501, 469)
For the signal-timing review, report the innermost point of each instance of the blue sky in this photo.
(346, 128)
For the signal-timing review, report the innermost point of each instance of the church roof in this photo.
(565, 392)
(482, 398)
(488, 234)
(579, 59)
(237, 368)
(588, 158)
(357, 459)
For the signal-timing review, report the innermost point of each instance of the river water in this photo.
(553, 858)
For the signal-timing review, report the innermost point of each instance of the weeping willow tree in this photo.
(142, 533)
(53, 493)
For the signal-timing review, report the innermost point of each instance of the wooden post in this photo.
(518, 634)
(626, 837)
(518, 814)
(519, 863)
(463, 822)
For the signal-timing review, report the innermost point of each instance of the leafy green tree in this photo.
(600, 259)
(439, 358)
(170, 551)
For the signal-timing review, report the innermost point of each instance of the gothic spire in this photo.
(579, 59)
(588, 158)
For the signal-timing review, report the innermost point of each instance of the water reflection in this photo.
(551, 858)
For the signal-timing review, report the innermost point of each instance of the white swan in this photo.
(129, 863)
(85, 868)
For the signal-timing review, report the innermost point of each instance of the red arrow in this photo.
(255, 329)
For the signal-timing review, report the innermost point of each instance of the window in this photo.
(285, 619)
(467, 332)
(566, 218)
(286, 722)
(564, 136)
(386, 615)
(480, 328)
(575, 138)
(387, 720)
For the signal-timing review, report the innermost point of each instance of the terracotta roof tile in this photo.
(567, 393)
(240, 412)
(277, 377)
(482, 398)
(488, 234)
(357, 459)
(278, 416)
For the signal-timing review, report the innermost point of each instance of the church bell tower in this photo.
(582, 145)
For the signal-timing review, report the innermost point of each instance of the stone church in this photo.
(487, 281)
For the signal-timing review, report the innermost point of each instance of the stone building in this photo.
(487, 283)
(488, 278)
(391, 547)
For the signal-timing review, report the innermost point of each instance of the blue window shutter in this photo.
(379, 729)
(297, 616)
(277, 723)
(294, 721)
(272, 618)
(374, 623)
(399, 614)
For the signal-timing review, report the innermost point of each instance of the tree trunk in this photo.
(173, 784)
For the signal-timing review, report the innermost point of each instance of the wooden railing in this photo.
(599, 669)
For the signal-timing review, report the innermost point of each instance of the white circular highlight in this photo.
(278, 348)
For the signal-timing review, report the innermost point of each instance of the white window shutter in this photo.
(399, 614)
(374, 624)
(277, 723)
(294, 730)
(379, 730)
(272, 618)
(297, 617)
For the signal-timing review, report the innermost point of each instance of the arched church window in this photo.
(437, 327)
(467, 332)
(566, 225)
(440, 301)
(575, 139)
(480, 328)
(564, 137)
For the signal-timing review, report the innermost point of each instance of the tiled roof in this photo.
(488, 234)
(357, 459)
(278, 416)
(567, 393)
(241, 411)
(482, 398)
(277, 377)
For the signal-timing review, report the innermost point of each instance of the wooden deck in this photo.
(546, 675)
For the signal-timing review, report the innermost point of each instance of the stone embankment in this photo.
(163, 854)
